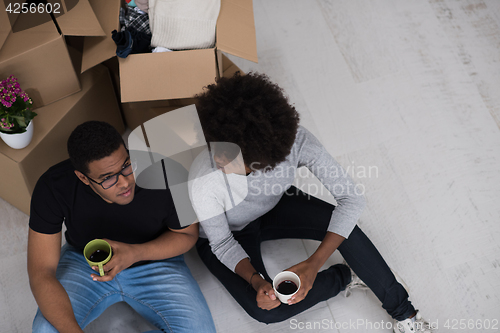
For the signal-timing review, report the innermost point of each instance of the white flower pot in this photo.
(18, 140)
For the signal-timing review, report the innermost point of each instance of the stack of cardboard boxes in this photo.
(69, 85)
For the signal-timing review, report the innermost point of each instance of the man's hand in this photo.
(266, 299)
(124, 256)
(171, 243)
(307, 273)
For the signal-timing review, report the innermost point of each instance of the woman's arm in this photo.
(266, 299)
(350, 204)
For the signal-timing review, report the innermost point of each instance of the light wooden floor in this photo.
(409, 90)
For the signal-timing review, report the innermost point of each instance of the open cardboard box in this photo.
(4, 24)
(137, 113)
(34, 50)
(178, 74)
(52, 127)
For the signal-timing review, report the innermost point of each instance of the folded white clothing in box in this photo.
(183, 24)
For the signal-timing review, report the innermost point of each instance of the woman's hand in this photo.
(266, 299)
(307, 273)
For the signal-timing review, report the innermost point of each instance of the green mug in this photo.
(97, 253)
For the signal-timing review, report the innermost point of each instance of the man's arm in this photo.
(43, 256)
(169, 244)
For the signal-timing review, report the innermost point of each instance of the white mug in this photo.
(282, 277)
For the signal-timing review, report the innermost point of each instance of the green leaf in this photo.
(20, 120)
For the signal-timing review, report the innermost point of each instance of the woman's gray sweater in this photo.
(228, 202)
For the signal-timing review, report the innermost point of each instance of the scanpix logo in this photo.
(28, 14)
(170, 152)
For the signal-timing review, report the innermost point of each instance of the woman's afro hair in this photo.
(252, 112)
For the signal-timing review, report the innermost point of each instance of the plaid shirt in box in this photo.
(134, 19)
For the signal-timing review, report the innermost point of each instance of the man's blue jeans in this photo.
(163, 292)
(298, 215)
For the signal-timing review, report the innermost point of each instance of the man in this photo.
(245, 196)
(94, 194)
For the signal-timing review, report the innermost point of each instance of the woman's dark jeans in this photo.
(298, 215)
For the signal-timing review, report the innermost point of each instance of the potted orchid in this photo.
(16, 126)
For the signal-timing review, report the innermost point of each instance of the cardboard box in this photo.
(178, 74)
(35, 52)
(137, 113)
(52, 127)
(4, 24)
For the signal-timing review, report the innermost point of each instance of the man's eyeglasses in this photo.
(110, 181)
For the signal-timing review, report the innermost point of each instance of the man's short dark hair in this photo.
(252, 112)
(92, 141)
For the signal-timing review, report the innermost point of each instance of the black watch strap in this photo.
(255, 273)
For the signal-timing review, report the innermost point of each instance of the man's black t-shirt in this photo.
(59, 196)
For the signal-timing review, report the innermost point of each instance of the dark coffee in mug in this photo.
(287, 287)
(98, 256)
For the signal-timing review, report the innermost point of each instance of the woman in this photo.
(241, 190)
